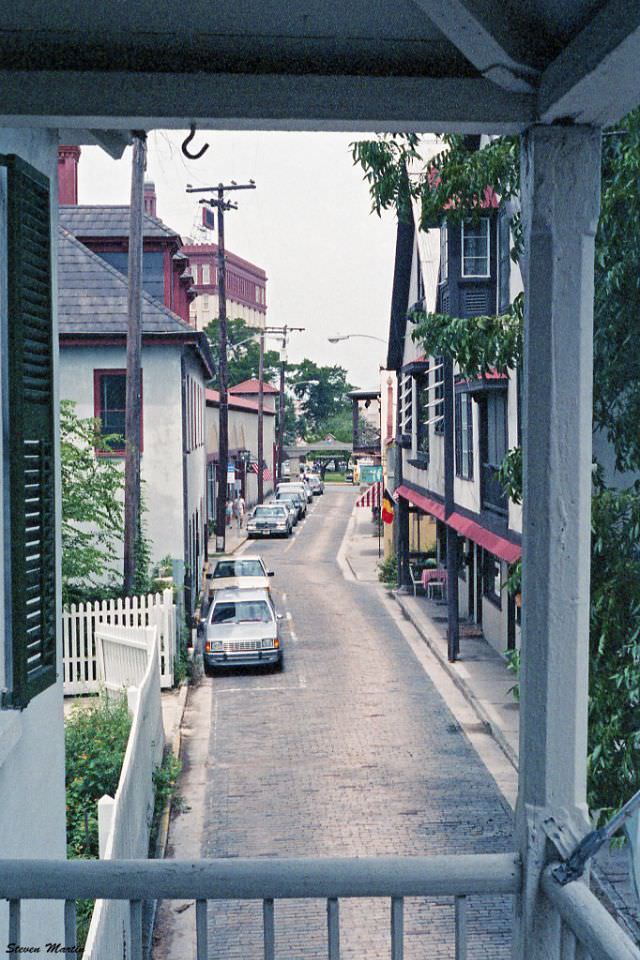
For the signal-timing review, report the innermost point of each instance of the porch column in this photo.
(560, 201)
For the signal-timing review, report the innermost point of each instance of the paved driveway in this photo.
(351, 751)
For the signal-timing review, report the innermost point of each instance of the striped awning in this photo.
(372, 497)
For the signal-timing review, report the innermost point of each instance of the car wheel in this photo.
(279, 666)
(208, 671)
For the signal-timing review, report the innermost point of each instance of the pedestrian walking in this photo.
(229, 512)
(240, 511)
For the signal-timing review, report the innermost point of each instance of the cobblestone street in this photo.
(351, 751)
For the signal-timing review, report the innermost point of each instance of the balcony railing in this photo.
(587, 929)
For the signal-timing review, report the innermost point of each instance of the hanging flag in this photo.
(387, 507)
(266, 473)
(372, 495)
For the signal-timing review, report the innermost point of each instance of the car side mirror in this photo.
(279, 616)
(270, 573)
(209, 576)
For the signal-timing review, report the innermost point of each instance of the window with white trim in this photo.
(206, 273)
(475, 248)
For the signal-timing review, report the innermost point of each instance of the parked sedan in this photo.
(268, 520)
(242, 629)
(297, 499)
(247, 572)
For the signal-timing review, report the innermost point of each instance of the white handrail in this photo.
(588, 920)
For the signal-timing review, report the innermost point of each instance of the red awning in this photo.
(372, 496)
(495, 544)
(425, 503)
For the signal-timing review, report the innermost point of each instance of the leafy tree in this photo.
(92, 509)
(340, 426)
(457, 180)
(243, 358)
(324, 400)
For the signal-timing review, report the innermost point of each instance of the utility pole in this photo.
(261, 420)
(220, 204)
(133, 378)
(280, 332)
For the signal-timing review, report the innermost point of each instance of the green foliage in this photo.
(385, 162)
(388, 570)
(478, 344)
(243, 361)
(323, 401)
(95, 744)
(92, 509)
(614, 701)
(510, 474)
(617, 294)
(165, 783)
(340, 426)
(513, 665)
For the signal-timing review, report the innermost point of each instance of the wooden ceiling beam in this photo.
(596, 79)
(482, 34)
(112, 100)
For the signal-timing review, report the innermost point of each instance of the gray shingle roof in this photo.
(94, 220)
(92, 296)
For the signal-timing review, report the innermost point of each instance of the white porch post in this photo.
(560, 202)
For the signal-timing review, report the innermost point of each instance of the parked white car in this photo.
(247, 572)
(242, 629)
(298, 486)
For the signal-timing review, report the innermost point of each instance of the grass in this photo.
(334, 477)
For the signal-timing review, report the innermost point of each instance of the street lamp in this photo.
(348, 336)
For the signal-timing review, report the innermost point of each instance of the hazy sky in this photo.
(329, 261)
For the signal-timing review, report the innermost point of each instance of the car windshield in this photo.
(242, 611)
(268, 512)
(239, 568)
(287, 495)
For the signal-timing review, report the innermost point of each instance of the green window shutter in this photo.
(31, 448)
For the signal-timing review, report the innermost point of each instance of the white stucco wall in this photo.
(243, 433)
(161, 461)
(32, 811)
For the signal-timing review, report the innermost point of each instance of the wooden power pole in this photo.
(221, 205)
(133, 409)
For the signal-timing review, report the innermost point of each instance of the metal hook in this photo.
(187, 153)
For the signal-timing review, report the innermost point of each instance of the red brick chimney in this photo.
(150, 198)
(68, 158)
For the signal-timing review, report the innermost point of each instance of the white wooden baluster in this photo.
(269, 930)
(135, 922)
(397, 928)
(69, 923)
(201, 930)
(14, 925)
(461, 927)
(333, 928)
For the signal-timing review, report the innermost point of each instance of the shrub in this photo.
(388, 570)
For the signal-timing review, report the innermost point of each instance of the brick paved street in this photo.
(349, 752)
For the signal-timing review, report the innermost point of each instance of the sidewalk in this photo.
(482, 676)
(234, 538)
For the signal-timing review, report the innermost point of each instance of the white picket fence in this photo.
(79, 622)
(125, 819)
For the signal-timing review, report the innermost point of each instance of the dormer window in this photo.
(475, 248)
